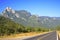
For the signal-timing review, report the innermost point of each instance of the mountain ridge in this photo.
(27, 19)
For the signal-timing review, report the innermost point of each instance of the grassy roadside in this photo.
(22, 35)
(58, 33)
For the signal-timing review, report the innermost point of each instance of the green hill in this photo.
(8, 27)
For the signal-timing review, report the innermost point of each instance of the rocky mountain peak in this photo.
(8, 8)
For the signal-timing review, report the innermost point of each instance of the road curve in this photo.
(49, 36)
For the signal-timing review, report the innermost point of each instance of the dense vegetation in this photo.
(57, 28)
(8, 27)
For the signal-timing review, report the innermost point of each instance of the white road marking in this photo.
(57, 35)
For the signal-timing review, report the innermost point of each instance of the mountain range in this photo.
(27, 19)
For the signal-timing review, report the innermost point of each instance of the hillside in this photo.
(8, 27)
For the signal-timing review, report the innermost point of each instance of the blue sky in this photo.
(36, 7)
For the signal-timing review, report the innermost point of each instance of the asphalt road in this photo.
(48, 36)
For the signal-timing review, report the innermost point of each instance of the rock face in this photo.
(25, 18)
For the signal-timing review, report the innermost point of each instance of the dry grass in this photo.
(22, 35)
(58, 33)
